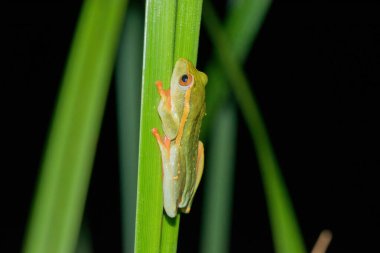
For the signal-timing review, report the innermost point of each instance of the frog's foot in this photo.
(163, 142)
(165, 94)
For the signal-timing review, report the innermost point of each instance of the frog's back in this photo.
(190, 154)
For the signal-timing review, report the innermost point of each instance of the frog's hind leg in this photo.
(199, 173)
(164, 144)
(169, 173)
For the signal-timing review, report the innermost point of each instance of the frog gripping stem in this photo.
(165, 94)
(181, 109)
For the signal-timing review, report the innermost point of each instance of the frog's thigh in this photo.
(200, 165)
(199, 173)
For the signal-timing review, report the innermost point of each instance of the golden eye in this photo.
(185, 80)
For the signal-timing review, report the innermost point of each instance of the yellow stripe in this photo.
(185, 114)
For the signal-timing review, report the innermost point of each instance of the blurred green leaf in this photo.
(242, 25)
(287, 235)
(128, 89)
(66, 168)
(219, 183)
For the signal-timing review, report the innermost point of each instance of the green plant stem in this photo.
(287, 236)
(188, 21)
(66, 167)
(171, 31)
(157, 65)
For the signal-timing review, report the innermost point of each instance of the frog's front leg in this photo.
(170, 121)
(198, 173)
(170, 173)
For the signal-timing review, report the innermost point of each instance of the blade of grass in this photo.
(166, 39)
(66, 167)
(218, 192)
(128, 89)
(188, 19)
(157, 65)
(188, 22)
(287, 236)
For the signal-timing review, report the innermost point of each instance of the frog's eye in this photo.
(185, 80)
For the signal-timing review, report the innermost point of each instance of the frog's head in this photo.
(187, 86)
(186, 76)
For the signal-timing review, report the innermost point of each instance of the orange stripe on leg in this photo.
(165, 142)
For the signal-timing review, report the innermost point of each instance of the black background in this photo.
(315, 71)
